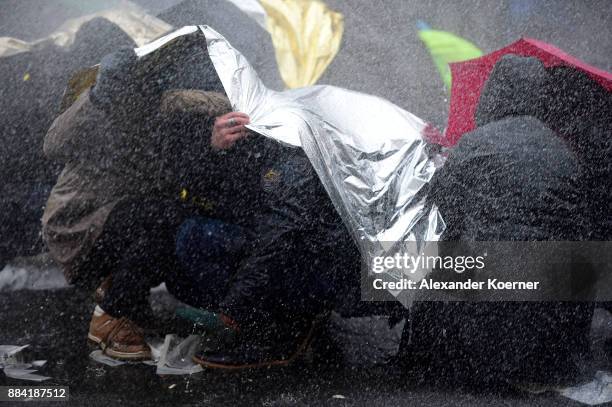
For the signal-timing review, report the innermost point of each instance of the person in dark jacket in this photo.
(518, 177)
(298, 263)
(300, 260)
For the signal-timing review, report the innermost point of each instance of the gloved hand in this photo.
(115, 82)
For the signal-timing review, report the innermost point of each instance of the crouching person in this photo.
(274, 270)
(111, 220)
(515, 179)
(268, 251)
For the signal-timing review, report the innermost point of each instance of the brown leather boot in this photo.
(119, 338)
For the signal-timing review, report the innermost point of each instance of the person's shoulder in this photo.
(194, 101)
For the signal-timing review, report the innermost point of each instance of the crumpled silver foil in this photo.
(370, 154)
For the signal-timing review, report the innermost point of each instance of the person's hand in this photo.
(228, 129)
(115, 82)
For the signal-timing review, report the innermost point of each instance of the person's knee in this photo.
(186, 238)
(199, 240)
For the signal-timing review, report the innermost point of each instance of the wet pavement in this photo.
(54, 323)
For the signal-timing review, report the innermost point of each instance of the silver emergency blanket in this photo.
(369, 154)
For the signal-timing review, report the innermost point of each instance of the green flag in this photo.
(445, 48)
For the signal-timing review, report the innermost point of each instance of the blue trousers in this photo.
(208, 252)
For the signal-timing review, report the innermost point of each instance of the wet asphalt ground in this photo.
(357, 372)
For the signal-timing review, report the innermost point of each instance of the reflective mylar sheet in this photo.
(369, 154)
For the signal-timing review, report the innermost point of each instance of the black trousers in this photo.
(137, 247)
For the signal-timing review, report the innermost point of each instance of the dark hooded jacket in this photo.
(522, 175)
(576, 108)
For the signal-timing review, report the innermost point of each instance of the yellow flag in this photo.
(306, 35)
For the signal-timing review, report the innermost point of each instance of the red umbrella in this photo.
(469, 78)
